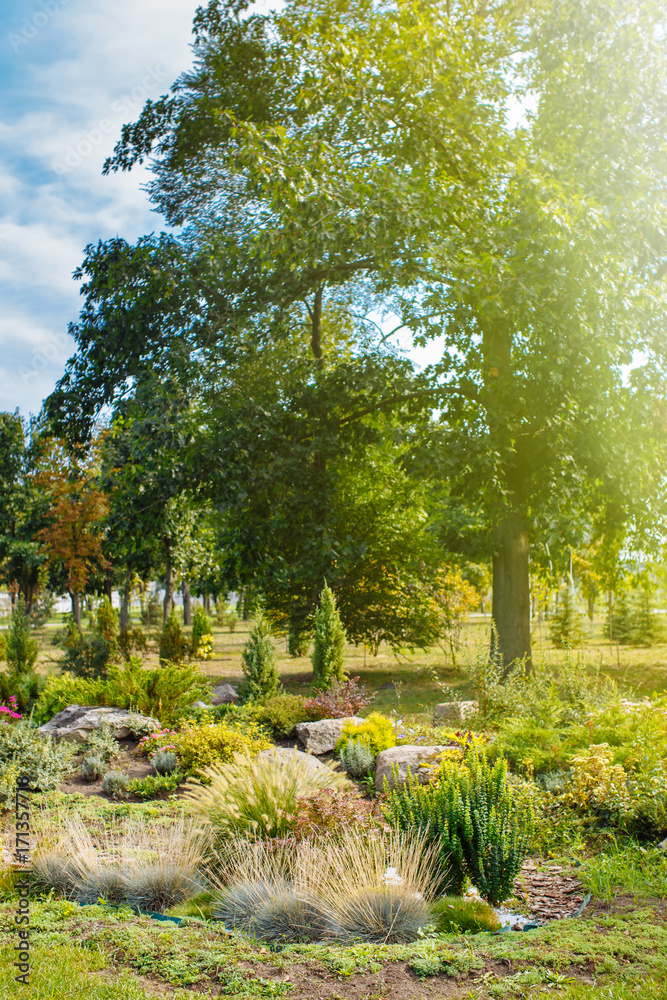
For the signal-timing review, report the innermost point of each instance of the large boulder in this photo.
(224, 694)
(417, 760)
(453, 711)
(76, 722)
(321, 737)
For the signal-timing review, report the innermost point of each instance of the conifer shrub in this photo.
(566, 625)
(174, 645)
(261, 678)
(21, 650)
(357, 758)
(377, 732)
(328, 643)
(201, 639)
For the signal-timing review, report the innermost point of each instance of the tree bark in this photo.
(511, 593)
(125, 605)
(169, 582)
(187, 603)
(76, 608)
(108, 582)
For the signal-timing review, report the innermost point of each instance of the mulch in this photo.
(549, 892)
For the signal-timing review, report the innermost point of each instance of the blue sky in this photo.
(71, 73)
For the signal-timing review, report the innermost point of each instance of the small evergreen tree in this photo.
(619, 620)
(174, 645)
(21, 649)
(328, 643)
(107, 621)
(566, 627)
(646, 627)
(262, 679)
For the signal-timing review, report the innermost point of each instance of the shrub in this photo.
(261, 677)
(102, 743)
(377, 732)
(357, 758)
(340, 701)
(174, 646)
(115, 783)
(21, 650)
(65, 689)
(162, 693)
(164, 762)
(156, 786)
(107, 621)
(151, 613)
(93, 768)
(647, 628)
(24, 751)
(452, 914)
(328, 643)
(258, 797)
(281, 714)
(226, 617)
(201, 628)
(483, 828)
(132, 641)
(201, 746)
(328, 812)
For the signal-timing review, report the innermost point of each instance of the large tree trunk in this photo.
(511, 593)
(169, 582)
(187, 604)
(108, 584)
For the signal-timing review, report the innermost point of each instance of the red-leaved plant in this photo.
(326, 813)
(340, 701)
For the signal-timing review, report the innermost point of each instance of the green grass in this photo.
(631, 868)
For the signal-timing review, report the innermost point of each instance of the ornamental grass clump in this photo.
(257, 797)
(158, 885)
(53, 870)
(453, 914)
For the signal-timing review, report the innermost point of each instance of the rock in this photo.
(389, 686)
(454, 711)
(223, 694)
(321, 737)
(287, 756)
(413, 757)
(76, 722)
(201, 704)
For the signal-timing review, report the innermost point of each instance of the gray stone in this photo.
(416, 759)
(287, 755)
(321, 737)
(76, 722)
(201, 704)
(454, 711)
(224, 694)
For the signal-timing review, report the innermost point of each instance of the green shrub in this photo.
(61, 690)
(21, 650)
(261, 678)
(328, 643)
(93, 768)
(132, 642)
(647, 627)
(281, 714)
(199, 746)
(156, 786)
(484, 827)
(102, 743)
(174, 645)
(377, 732)
(453, 914)
(24, 751)
(151, 613)
(357, 758)
(106, 623)
(257, 797)
(226, 617)
(116, 784)
(161, 693)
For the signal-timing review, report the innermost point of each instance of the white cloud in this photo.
(83, 68)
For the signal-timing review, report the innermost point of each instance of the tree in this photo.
(260, 672)
(565, 625)
(328, 643)
(378, 149)
(75, 515)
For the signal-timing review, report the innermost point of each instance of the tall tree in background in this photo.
(375, 146)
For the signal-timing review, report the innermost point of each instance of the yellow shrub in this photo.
(377, 731)
(598, 782)
(198, 746)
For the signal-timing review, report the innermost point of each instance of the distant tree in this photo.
(328, 643)
(565, 625)
(261, 679)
